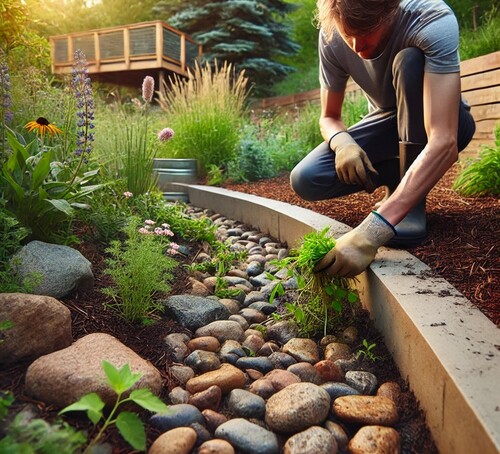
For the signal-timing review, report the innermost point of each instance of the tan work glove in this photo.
(351, 162)
(355, 250)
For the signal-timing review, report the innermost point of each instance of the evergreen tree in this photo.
(248, 33)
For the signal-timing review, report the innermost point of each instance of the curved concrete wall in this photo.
(446, 348)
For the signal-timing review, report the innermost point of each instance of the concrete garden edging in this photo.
(445, 348)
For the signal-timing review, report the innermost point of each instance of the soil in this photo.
(462, 247)
(463, 242)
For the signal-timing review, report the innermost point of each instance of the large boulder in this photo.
(62, 269)
(63, 377)
(40, 325)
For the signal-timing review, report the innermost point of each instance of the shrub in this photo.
(206, 112)
(482, 176)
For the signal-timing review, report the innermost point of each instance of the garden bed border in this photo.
(446, 349)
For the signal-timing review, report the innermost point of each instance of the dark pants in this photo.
(315, 178)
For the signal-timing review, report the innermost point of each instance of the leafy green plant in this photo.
(140, 269)
(366, 351)
(482, 176)
(206, 112)
(6, 400)
(38, 200)
(321, 298)
(128, 423)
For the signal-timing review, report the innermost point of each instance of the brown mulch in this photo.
(463, 244)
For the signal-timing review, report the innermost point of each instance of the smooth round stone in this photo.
(227, 377)
(253, 342)
(176, 345)
(339, 389)
(216, 446)
(282, 331)
(339, 434)
(336, 351)
(245, 404)
(375, 440)
(391, 390)
(303, 350)
(260, 363)
(176, 441)
(254, 268)
(314, 440)
(281, 360)
(262, 387)
(268, 349)
(306, 372)
(368, 410)
(231, 348)
(297, 407)
(238, 273)
(179, 395)
(181, 415)
(213, 419)
(364, 382)
(202, 361)
(223, 330)
(253, 297)
(208, 399)
(263, 307)
(329, 371)
(248, 437)
(206, 343)
(240, 319)
(182, 373)
(232, 306)
(202, 433)
(252, 315)
(280, 379)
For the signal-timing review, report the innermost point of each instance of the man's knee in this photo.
(302, 183)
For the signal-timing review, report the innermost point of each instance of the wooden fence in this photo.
(480, 78)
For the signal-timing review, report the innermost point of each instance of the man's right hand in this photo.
(352, 163)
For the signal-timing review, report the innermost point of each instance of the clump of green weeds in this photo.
(482, 176)
(367, 351)
(140, 269)
(128, 423)
(322, 299)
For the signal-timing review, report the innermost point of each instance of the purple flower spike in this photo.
(165, 134)
(148, 88)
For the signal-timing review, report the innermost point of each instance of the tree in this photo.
(250, 34)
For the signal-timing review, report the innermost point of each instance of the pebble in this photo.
(227, 377)
(375, 440)
(337, 350)
(180, 415)
(364, 382)
(314, 440)
(208, 399)
(303, 350)
(248, 437)
(216, 446)
(297, 407)
(368, 410)
(176, 441)
(207, 343)
(245, 404)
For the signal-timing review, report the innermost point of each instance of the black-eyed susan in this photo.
(42, 126)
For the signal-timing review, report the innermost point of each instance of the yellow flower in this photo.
(42, 126)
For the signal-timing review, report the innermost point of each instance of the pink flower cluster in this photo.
(149, 230)
(165, 134)
(127, 194)
(148, 88)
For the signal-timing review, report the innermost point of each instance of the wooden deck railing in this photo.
(480, 78)
(136, 47)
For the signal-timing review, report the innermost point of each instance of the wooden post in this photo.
(97, 51)
(126, 47)
(71, 51)
(183, 53)
(159, 44)
(161, 83)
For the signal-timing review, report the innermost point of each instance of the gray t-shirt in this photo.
(429, 25)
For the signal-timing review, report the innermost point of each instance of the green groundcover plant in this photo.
(481, 177)
(322, 299)
(128, 423)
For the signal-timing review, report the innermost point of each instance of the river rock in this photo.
(223, 330)
(181, 415)
(227, 378)
(248, 437)
(297, 407)
(180, 440)
(314, 440)
(61, 378)
(303, 350)
(368, 410)
(375, 440)
(26, 339)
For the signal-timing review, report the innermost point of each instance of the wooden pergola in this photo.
(124, 55)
